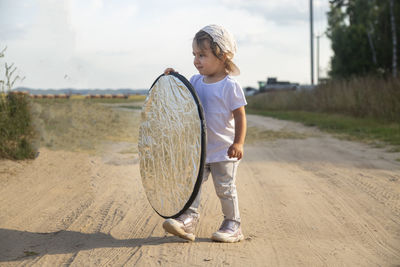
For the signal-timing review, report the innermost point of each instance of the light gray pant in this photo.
(224, 178)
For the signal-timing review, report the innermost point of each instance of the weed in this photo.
(16, 130)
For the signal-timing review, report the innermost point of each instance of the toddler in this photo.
(223, 102)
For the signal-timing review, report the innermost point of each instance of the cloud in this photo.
(15, 18)
(128, 43)
(283, 12)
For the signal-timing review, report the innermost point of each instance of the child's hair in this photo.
(202, 36)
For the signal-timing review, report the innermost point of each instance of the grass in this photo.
(255, 134)
(367, 97)
(365, 109)
(131, 98)
(83, 124)
(131, 107)
(367, 130)
(75, 124)
(16, 132)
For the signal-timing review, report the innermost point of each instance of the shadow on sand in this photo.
(16, 245)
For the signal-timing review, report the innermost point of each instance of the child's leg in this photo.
(196, 203)
(224, 177)
(184, 226)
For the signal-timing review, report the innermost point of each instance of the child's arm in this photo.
(236, 149)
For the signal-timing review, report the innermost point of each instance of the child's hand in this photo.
(169, 70)
(235, 151)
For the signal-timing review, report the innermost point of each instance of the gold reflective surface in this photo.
(169, 145)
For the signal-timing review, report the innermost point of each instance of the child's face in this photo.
(206, 62)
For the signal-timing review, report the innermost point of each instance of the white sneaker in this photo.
(229, 232)
(183, 226)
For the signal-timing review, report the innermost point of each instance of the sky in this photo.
(128, 43)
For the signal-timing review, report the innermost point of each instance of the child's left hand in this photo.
(235, 151)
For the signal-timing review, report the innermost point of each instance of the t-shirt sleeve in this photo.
(194, 79)
(236, 96)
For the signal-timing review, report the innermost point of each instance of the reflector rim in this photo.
(203, 138)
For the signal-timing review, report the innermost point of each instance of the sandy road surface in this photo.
(316, 201)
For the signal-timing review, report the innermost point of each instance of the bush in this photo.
(16, 130)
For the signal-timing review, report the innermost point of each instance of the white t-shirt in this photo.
(219, 100)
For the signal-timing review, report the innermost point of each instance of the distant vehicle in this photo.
(272, 84)
(248, 91)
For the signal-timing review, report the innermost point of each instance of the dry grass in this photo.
(77, 97)
(359, 97)
(363, 109)
(138, 98)
(131, 98)
(78, 125)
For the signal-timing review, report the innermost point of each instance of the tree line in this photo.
(364, 36)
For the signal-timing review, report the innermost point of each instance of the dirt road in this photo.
(309, 201)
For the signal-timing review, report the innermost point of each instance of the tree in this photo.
(394, 39)
(363, 37)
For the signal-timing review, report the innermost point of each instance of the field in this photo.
(306, 197)
(81, 124)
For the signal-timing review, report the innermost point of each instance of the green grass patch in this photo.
(255, 134)
(131, 107)
(30, 253)
(360, 129)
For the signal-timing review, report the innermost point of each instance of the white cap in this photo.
(225, 41)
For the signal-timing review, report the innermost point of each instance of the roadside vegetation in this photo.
(365, 109)
(67, 124)
(361, 99)
(17, 135)
(367, 97)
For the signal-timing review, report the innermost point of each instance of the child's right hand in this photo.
(169, 70)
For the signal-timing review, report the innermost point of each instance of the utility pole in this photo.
(318, 36)
(312, 41)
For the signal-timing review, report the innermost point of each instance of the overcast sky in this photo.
(128, 43)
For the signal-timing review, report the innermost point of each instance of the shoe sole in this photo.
(173, 228)
(227, 239)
